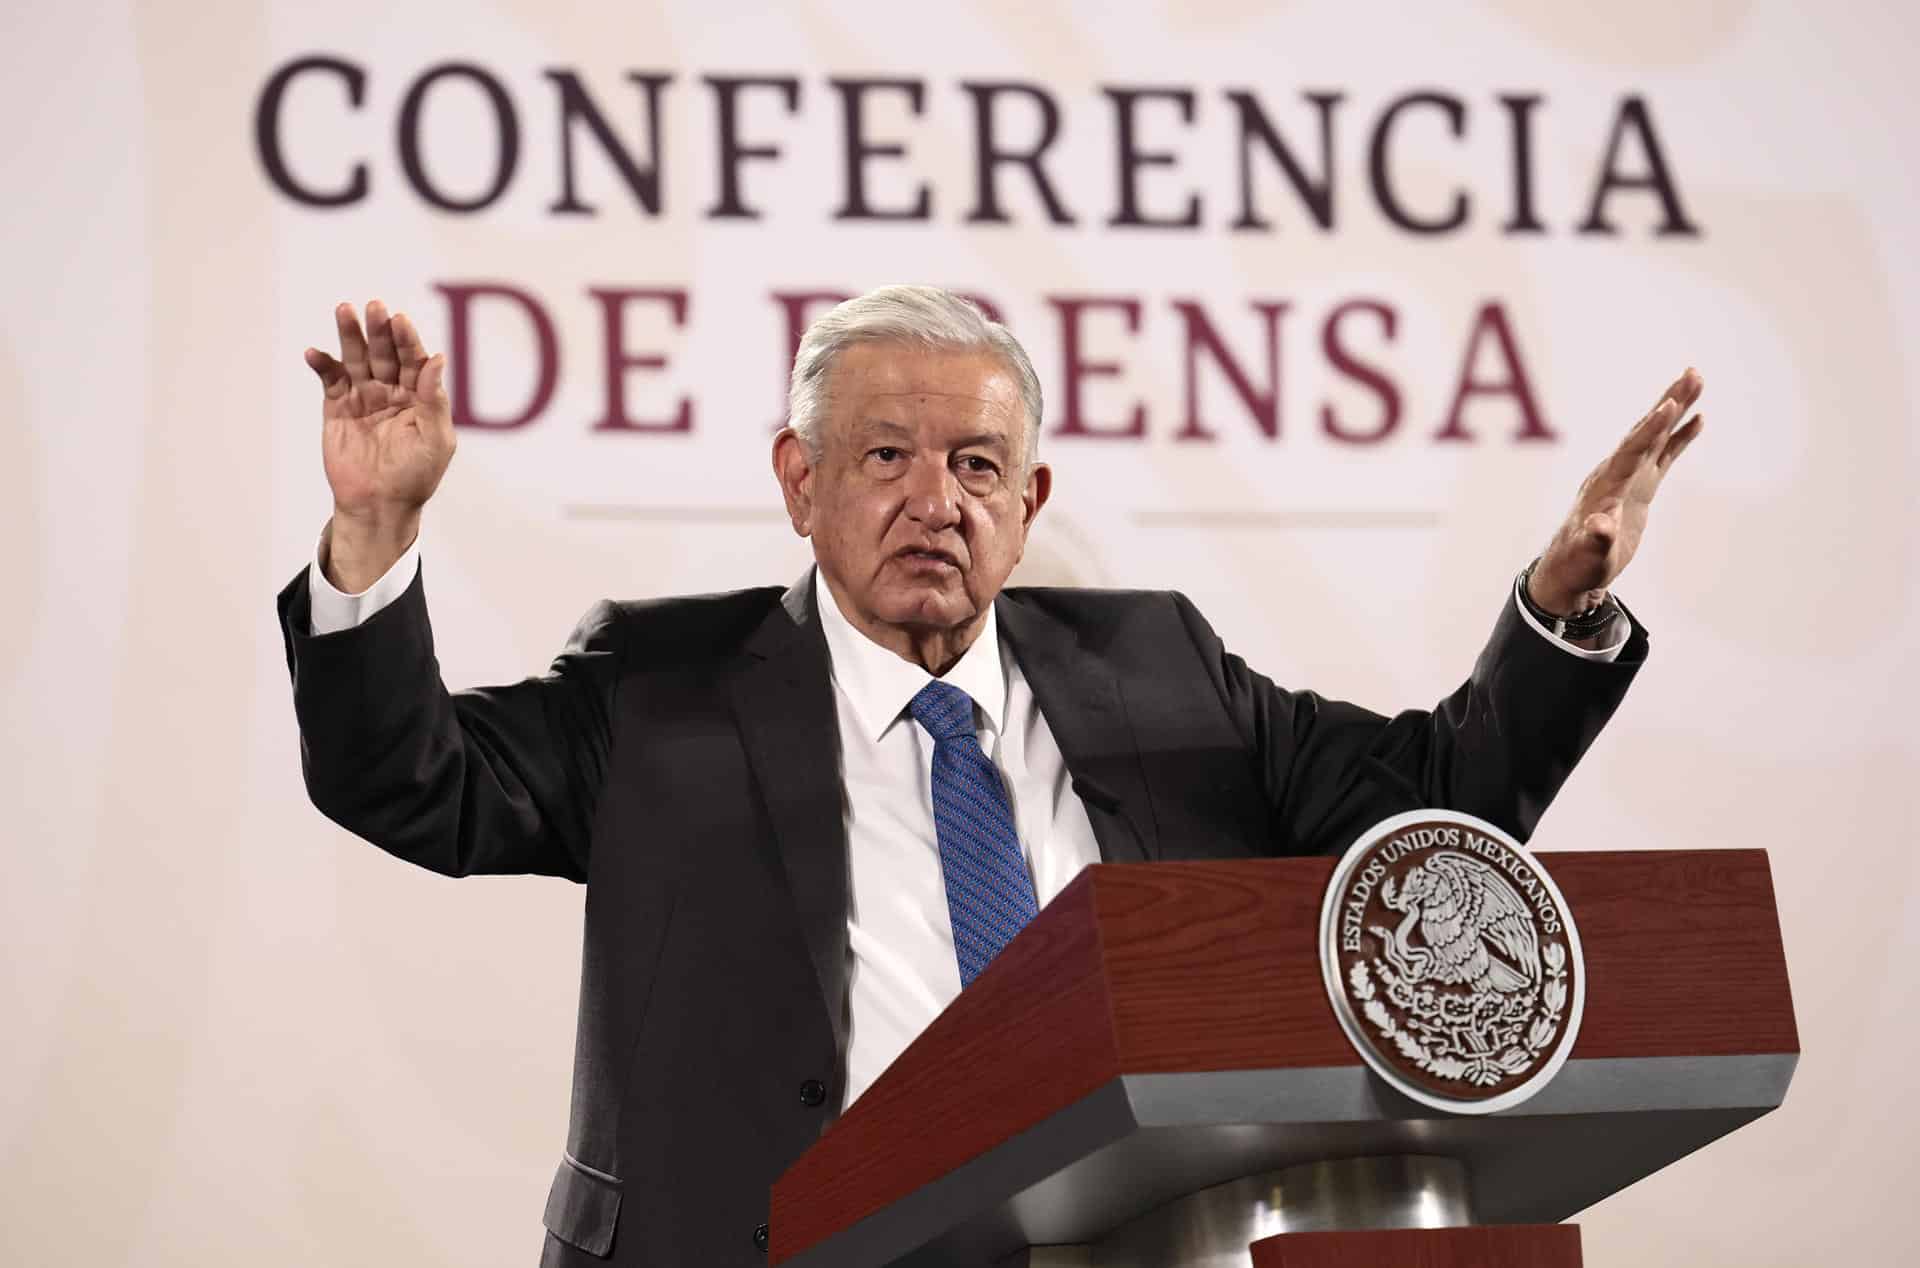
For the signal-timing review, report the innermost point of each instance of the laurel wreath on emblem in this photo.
(1445, 1057)
(1479, 1006)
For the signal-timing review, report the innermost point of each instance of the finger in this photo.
(1647, 435)
(412, 353)
(1681, 439)
(353, 344)
(1651, 431)
(381, 358)
(432, 391)
(1601, 516)
(431, 376)
(333, 375)
(1685, 390)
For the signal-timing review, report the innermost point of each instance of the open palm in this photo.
(1602, 532)
(386, 425)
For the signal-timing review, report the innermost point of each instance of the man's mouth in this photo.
(927, 555)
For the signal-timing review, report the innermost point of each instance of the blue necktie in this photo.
(989, 895)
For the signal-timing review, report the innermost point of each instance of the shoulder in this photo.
(678, 629)
(1108, 618)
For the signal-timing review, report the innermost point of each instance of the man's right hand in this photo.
(386, 438)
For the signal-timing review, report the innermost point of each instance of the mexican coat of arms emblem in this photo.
(1452, 961)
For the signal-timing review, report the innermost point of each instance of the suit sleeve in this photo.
(1499, 747)
(494, 780)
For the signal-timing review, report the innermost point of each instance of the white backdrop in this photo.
(228, 1039)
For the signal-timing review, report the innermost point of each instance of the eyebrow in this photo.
(984, 440)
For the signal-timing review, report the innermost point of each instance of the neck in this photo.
(935, 649)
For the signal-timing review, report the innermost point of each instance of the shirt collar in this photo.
(880, 684)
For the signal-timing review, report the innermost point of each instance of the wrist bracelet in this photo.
(1582, 624)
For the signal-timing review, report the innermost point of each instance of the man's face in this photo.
(918, 504)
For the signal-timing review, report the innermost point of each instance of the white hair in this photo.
(923, 315)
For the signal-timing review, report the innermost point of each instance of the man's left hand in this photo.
(1601, 533)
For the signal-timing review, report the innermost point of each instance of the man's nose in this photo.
(933, 495)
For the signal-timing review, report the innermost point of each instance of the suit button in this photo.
(760, 1238)
(813, 1092)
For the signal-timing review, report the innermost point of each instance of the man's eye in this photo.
(975, 464)
(885, 453)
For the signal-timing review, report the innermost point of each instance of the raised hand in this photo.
(1600, 535)
(386, 438)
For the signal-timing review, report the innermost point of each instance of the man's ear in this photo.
(793, 468)
(1039, 488)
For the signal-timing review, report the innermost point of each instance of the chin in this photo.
(940, 608)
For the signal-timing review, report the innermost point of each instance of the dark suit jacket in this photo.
(681, 758)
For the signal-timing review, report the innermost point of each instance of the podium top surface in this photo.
(1161, 1027)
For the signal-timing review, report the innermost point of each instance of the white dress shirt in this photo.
(902, 970)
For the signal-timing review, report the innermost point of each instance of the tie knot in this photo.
(944, 709)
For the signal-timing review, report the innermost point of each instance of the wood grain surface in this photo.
(1177, 967)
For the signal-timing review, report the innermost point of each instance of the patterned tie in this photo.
(989, 895)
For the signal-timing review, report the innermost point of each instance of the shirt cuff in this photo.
(330, 610)
(1616, 633)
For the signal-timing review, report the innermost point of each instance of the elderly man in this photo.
(807, 818)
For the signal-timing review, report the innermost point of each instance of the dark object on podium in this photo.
(1157, 1048)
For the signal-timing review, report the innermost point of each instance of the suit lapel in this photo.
(782, 699)
(1081, 700)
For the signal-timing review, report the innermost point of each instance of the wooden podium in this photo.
(1151, 1073)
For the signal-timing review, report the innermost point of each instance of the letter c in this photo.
(266, 132)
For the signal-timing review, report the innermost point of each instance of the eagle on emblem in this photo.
(1472, 926)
